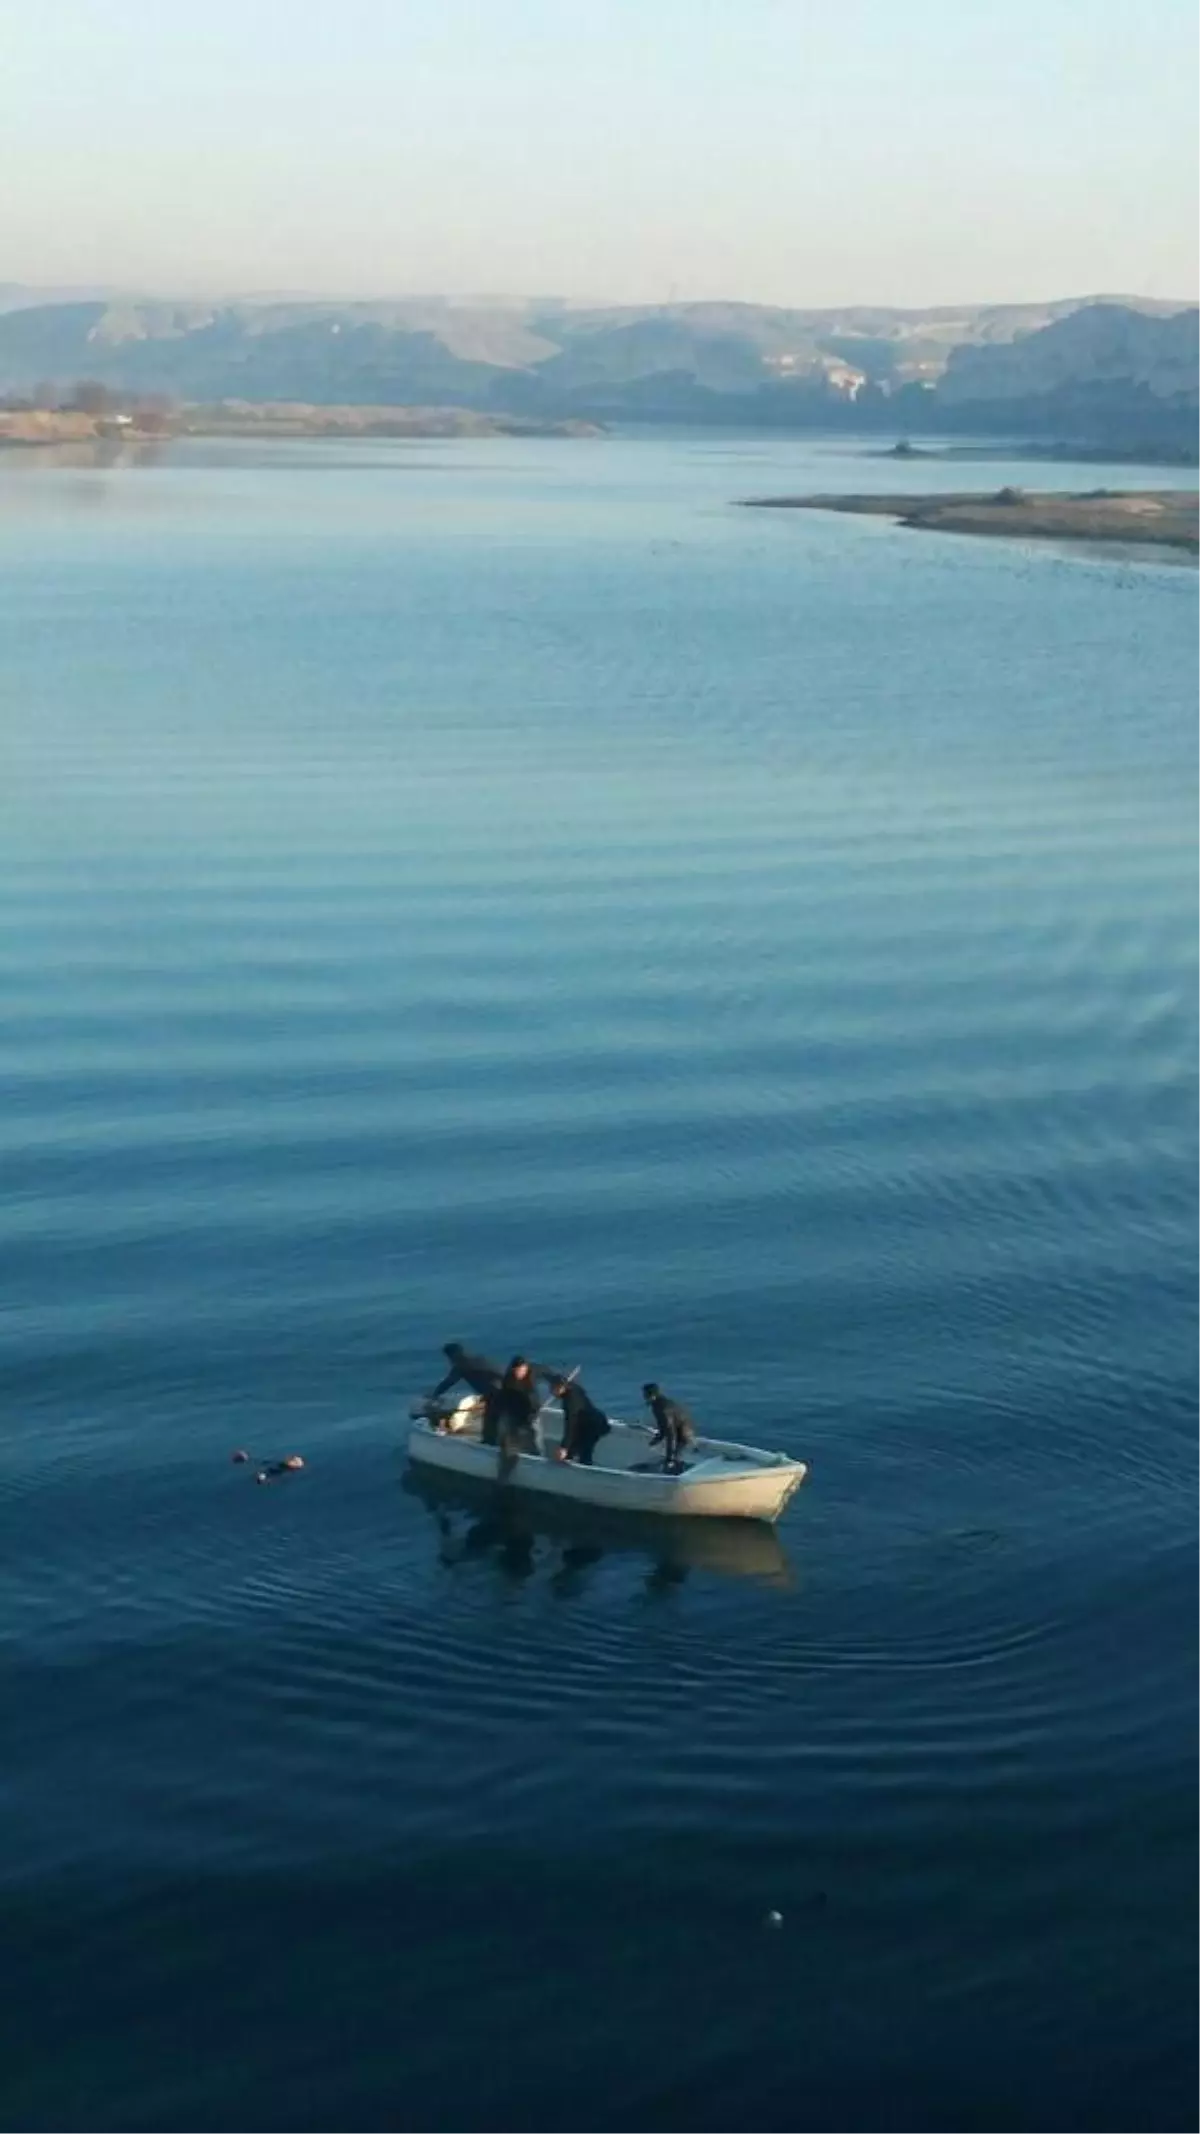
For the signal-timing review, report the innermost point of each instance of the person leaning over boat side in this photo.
(673, 1429)
(481, 1375)
(584, 1424)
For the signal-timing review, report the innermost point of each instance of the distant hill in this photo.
(1111, 370)
(21, 296)
(374, 353)
(1101, 344)
(1105, 371)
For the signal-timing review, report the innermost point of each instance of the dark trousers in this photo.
(674, 1439)
(582, 1440)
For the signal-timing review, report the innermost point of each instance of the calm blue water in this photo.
(504, 891)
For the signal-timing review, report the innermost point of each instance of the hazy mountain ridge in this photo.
(1101, 369)
(1105, 344)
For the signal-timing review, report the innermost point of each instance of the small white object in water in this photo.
(773, 1919)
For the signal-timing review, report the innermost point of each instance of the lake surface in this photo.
(503, 891)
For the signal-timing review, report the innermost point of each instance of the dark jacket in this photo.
(478, 1372)
(671, 1421)
(518, 1400)
(578, 1407)
(583, 1422)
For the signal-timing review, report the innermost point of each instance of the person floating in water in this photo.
(481, 1375)
(673, 1427)
(584, 1424)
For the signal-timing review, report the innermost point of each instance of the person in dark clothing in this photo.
(478, 1372)
(584, 1424)
(673, 1427)
(482, 1376)
(518, 1407)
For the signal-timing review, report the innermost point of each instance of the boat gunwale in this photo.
(714, 1476)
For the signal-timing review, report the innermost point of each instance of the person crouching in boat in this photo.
(584, 1424)
(673, 1427)
(482, 1376)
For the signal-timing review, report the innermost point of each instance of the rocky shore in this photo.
(295, 418)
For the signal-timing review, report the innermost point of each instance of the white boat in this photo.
(717, 1479)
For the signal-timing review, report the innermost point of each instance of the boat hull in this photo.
(720, 1481)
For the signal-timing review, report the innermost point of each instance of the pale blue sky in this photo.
(793, 151)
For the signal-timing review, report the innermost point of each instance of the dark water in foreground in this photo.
(501, 891)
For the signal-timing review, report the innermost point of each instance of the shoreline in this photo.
(1161, 518)
(39, 429)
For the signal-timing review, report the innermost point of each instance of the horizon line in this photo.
(100, 291)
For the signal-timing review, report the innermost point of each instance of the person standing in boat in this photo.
(518, 1408)
(673, 1427)
(482, 1376)
(584, 1424)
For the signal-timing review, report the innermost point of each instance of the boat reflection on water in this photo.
(476, 1519)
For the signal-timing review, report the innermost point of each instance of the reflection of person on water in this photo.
(673, 1427)
(584, 1424)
